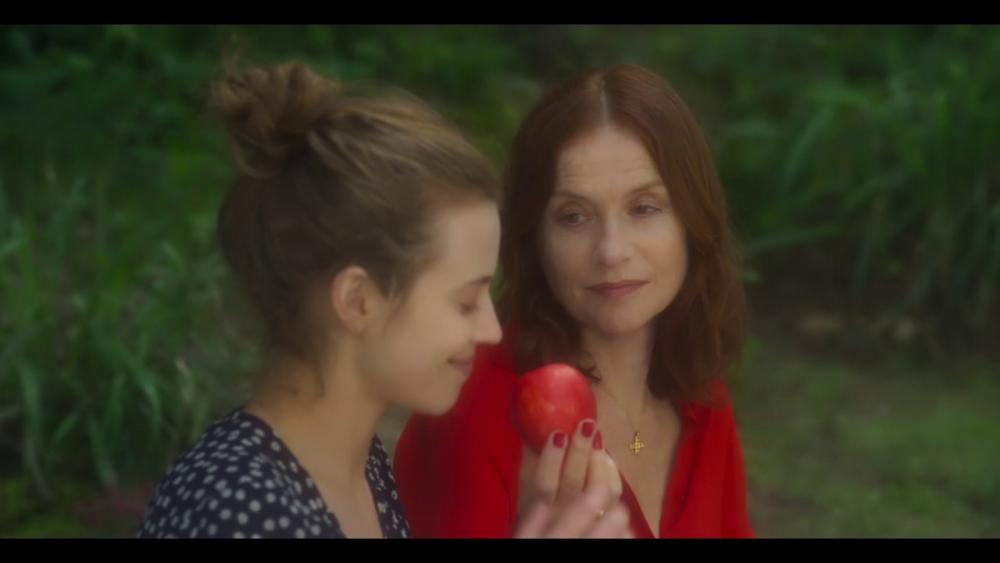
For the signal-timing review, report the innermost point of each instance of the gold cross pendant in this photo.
(636, 444)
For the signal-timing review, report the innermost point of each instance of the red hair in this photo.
(699, 336)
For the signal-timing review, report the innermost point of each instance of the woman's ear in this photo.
(355, 299)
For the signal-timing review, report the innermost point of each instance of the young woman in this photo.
(365, 232)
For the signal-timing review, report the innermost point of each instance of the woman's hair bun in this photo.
(269, 111)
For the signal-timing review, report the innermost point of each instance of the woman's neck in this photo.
(622, 363)
(325, 414)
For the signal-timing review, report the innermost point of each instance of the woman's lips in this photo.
(614, 290)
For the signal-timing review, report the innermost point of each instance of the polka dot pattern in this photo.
(241, 481)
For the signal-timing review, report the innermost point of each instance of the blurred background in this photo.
(861, 166)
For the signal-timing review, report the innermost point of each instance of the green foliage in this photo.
(863, 158)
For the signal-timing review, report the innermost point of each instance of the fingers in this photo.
(603, 471)
(597, 512)
(575, 466)
(580, 520)
(613, 524)
(578, 491)
(549, 466)
(535, 522)
(579, 516)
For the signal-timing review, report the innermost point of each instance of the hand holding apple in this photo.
(554, 397)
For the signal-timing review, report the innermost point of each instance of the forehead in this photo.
(608, 158)
(465, 241)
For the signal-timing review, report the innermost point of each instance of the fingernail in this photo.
(560, 439)
(588, 429)
(598, 443)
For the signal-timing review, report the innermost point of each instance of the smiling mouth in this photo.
(464, 366)
(617, 289)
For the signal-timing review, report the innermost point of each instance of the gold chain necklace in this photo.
(636, 444)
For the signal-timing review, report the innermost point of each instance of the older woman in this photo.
(617, 257)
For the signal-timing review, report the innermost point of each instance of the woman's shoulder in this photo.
(235, 480)
(715, 416)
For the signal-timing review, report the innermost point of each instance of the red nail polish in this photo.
(598, 442)
(588, 429)
(560, 439)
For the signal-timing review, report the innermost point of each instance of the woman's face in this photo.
(422, 352)
(612, 248)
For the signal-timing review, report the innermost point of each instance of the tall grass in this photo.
(862, 158)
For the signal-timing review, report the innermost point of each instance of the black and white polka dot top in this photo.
(241, 481)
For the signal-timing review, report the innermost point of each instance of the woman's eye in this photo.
(571, 218)
(645, 209)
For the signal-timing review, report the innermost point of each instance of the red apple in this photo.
(550, 398)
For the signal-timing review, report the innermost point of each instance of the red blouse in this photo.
(458, 473)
